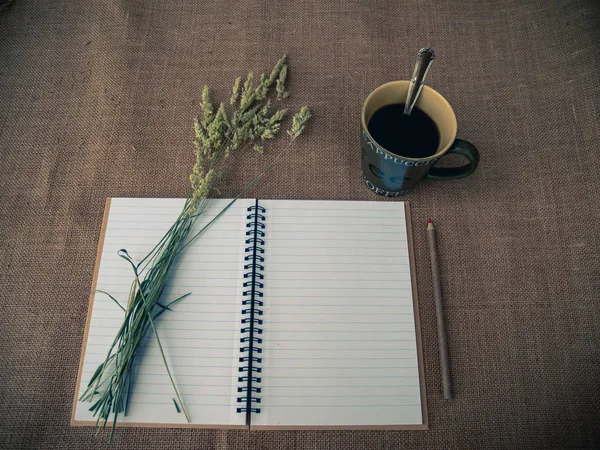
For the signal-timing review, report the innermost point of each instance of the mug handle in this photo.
(462, 148)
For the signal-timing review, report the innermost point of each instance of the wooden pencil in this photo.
(439, 309)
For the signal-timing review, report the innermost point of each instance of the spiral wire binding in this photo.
(251, 313)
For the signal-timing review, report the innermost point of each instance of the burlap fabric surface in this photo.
(97, 100)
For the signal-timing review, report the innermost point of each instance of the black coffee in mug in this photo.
(414, 136)
(399, 151)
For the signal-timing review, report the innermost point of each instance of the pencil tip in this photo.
(428, 220)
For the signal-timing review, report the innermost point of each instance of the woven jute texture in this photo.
(97, 99)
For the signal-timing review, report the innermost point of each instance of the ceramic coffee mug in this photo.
(389, 174)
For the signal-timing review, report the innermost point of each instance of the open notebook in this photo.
(325, 288)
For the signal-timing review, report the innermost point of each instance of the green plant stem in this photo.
(162, 354)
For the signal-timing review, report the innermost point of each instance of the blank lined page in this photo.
(200, 336)
(339, 345)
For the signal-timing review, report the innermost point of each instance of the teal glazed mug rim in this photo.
(427, 91)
